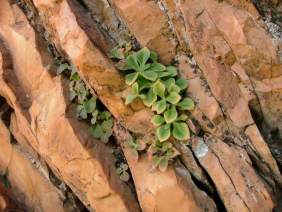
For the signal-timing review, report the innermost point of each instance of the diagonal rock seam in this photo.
(218, 101)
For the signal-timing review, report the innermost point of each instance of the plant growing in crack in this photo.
(161, 153)
(136, 145)
(88, 107)
(122, 171)
(160, 89)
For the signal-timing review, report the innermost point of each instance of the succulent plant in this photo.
(159, 88)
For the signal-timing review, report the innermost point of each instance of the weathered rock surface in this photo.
(226, 48)
(222, 48)
(150, 27)
(29, 186)
(173, 190)
(94, 67)
(37, 98)
(101, 75)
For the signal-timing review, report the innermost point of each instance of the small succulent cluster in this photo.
(87, 105)
(159, 88)
(122, 171)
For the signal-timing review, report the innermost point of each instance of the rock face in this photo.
(31, 188)
(233, 65)
(157, 191)
(85, 164)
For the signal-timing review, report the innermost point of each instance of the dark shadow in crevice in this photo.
(270, 9)
(271, 136)
(99, 37)
(5, 112)
(71, 201)
(10, 77)
(211, 193)
(105, 154)
(185, 176)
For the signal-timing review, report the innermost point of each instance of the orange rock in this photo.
(38, 101)
(260, 146)
(93, 66)
(230, 168)
(29, 186)
(212, 38)
(172, 190)
(150, 26)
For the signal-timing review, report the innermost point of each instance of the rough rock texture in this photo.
(224, 50)
(229, 63)
(29, 186)
(173, 190)
(37, 98)
(106, 81)
(94, 67)
(156, 35)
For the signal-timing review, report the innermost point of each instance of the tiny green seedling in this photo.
(100, 120)
(161, 153)
(136, 145)
(122, 171)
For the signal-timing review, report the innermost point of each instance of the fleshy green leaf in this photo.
(153, 56)
(157, 67)
(163, 164)
(182, 83)
(173, 98)
(130, 98)
(105, 115)
(180, 131)
(81, 112)
(96, 131)
(135, 89)
(182, 117)
(159, 106)
(158, 120)
(156, 161)
(142, 56)
(186, 104)
(172, 70)
(164, 74)
(90, 105)
(150, 98)
(105, 136)
(117, 53)
(94, 116)
(124, 166)
(150, 75)
(141, 145)
(170, 115)
(62, 68)
(124, 176)
(174, 88)
(159, 88)
(122, 65)
(74, 76)
(143, 83)
(107, 125)
(166, 146)
(119, 170)
(132, 63)
(163, 132)
(169, 82)
(131, 78)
